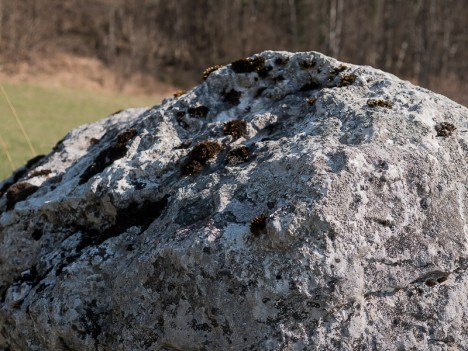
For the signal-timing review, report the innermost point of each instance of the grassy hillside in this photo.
(48, 113)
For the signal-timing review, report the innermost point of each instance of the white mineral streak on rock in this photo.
(359, 243)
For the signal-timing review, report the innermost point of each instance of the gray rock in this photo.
(334, 218)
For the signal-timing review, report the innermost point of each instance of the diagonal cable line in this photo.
(7, 153)
(18, 121)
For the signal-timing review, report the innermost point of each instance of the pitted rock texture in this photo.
(331, 216)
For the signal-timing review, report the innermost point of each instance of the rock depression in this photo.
(290, 202)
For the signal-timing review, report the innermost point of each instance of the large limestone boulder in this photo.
(290, 202)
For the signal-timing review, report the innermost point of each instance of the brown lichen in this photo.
(210, 70)
(123, 137)
(311, 100)
(236, 128)
(199, 156)
(191, 167)
(347, 80)
(336, 70)
(306, 64)
(238, 155)
(19, 192)
(248, 65)
(379, 103)
(41, 173)
(179, 93)
(94, 141)
(258, 224)
(444, 129)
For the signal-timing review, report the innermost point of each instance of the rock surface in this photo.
(290, 202)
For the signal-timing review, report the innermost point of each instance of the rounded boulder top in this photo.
(289, 202)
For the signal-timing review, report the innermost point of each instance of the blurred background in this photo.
(68, 62)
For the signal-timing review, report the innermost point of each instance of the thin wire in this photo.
(20, 124)
(7, 153)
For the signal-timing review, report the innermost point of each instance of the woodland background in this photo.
(173, 41)
(69, 62)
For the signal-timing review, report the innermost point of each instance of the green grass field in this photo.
(48, 113)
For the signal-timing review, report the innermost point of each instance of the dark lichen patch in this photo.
(19, 192)
(199, 111)
(231, 97)
(335, 70)
(41, 173)
(306, 64)
(347, 79)
(259, 92)
(278, 78)
(379, 103)
(179, 93)
(311, 100)
(441, 280)
(281, 61)
(90, 321)
(204, 151)
(191, 167)
(312, 85)
(384, 222)
(264, 71)
(105, 158)
(199, 156)
(184, 145)
(210, 70)
(93, 141)
(34, 161)
(116, 112)
(237, 128)
(129, 134)
(135, 215)
(238, 155)
(258, 224)
(248, 65)
(37, 234)
(431, 282)
(444, 129)
(273, 127)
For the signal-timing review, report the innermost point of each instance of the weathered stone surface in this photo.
(334, 219)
